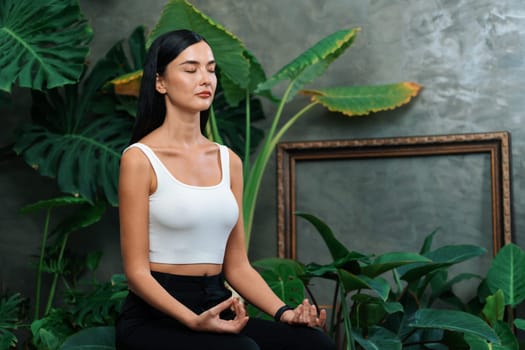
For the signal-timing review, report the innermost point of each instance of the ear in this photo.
(159, 84)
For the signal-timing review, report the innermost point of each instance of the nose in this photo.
(206, 77)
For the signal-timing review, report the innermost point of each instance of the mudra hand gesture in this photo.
(304, 314)
(210, 319)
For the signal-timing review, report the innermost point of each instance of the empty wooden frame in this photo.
(495, 145)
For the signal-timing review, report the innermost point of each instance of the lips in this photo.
(204, 94)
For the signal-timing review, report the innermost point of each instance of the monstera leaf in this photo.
(79, 131)
(43, 43)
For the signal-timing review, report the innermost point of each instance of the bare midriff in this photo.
(187, 269)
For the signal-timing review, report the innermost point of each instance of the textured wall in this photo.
(468, 55)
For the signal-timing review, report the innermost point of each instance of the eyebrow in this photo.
(196, 62)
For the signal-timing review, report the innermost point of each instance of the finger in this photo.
(322, 318)
(217, 309)
(312, 319)
(239, 308)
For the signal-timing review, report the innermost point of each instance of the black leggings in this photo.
(142, 327)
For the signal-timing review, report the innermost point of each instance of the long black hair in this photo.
(151, 109)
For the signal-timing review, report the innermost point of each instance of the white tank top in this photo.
(189, 224)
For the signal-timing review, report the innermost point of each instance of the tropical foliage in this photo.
(242, 76)
(79, 127)
(33, 57)
(420, 310)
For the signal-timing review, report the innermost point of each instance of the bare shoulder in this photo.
(134, 160)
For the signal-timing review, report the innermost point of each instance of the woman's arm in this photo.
(245, 279)
(135, 184)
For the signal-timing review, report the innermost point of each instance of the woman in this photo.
(182, 233)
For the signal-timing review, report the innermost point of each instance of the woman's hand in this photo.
(210, 321)
(305, 314)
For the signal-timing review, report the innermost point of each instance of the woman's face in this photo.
(189, 81)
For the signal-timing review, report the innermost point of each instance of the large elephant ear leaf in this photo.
(230, 52)
(43, 44)
(362, 100)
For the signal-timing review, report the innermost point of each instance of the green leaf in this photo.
(230, 53)
(337, 249)
(44, 44)
(519, 323)
(352, 282)
(52, 203)
(454, 254)
(83, 217)
(368, 310)
(361, 100)
(456, 321)
(389, 261)
(508, 339)
(84, 162)
(96, 338)
(10, 319)
(427, 244)
(313, 62)
(378, 338)
(284, 278)
(442, 257)
(494, 309)
(506, 273)
(71, 143)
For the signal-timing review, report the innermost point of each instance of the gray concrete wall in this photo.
(468, 55)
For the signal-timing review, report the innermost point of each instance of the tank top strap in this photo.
(225, 163)
(155, 162)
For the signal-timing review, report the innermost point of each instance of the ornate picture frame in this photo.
(495, 145)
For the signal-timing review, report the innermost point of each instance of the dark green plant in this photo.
(52, 257)
(12, 309)
(44, 43)
(406, 315)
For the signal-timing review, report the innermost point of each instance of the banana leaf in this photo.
(368, 310)
(378, 338)
(44, 44)
(508, 340)
(389, 261)
(353, 282)
(456, 321)
(494, 308)
(506, 273)
(337, 249)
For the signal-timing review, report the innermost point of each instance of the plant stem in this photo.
(247, 138)
(214, 129)
(56, 275)
(41, 264)
(346, 318)
(254, 180)
(334, 309)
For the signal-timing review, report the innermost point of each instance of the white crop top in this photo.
(189, 224)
